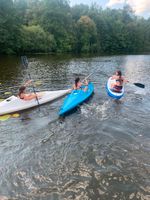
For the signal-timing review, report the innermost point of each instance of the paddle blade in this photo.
(24, 61)
(139, 85)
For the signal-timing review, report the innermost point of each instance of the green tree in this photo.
(57, 20)
(79, 10)
(146, 30)
(34, 39)
(52, 25)
(86, 34)
(9, 28)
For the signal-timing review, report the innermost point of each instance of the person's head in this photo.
(77, 80)
(118, 73)
(22, 89)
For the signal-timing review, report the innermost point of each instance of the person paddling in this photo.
(78, 84)
(27, 96)
(117, 85)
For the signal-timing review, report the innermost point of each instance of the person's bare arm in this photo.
(30, 96)
(125, 80)
(27, 83)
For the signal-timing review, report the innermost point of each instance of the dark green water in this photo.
(99, 152)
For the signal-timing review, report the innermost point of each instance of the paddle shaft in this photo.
(87, 77)
(25, 64)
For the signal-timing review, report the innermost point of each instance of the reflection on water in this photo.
(100, 151)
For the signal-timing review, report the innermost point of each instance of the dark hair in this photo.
(21, 90)
(119, 73)
(76, 81)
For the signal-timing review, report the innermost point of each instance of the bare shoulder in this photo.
(113, 77)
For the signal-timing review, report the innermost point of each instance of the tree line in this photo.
(36, 26)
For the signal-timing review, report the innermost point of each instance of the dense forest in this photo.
(33, 26)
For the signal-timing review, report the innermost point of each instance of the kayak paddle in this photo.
(139, 85)
(25, 63)
(87, 77)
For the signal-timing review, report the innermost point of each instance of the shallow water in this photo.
(98, 152)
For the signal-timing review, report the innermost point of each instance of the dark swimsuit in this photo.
(118, 88)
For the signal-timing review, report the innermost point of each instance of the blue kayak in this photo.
(111, 93)
(76, 98)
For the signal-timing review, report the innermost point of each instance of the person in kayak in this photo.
(26, 96)
(78, 84)
(117, 85)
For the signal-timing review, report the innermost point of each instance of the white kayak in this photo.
(14, 104)
(113, 94)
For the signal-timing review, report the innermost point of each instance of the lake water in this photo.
(101, 151)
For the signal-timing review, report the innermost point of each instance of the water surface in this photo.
(98, 152)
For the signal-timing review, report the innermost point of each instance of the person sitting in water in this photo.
(26, 96)
(78, 84)
(118, 81)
